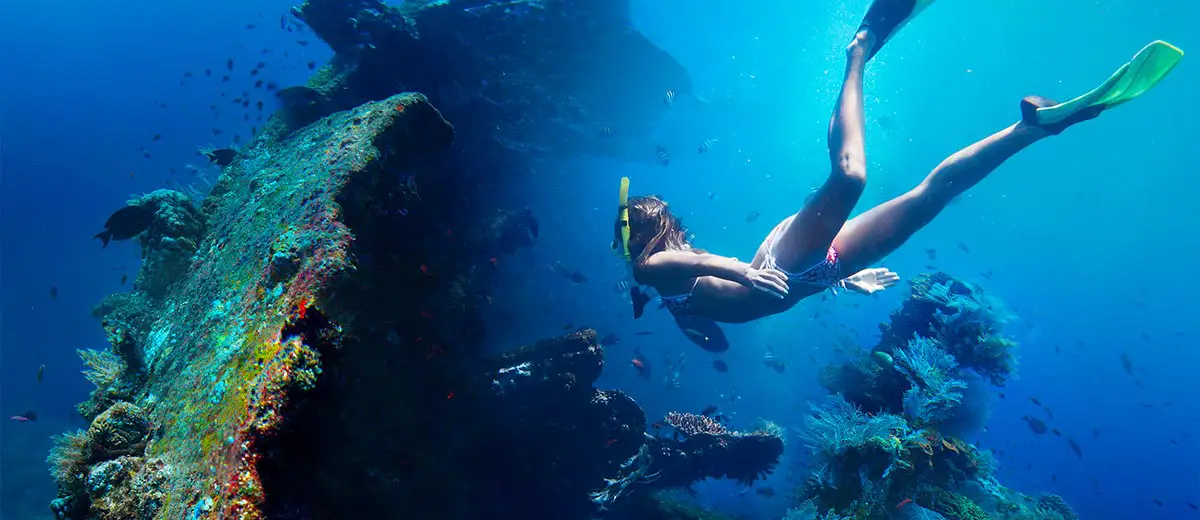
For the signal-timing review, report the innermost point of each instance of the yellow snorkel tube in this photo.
(620, 243)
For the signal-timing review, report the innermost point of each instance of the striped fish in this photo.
(704, 146)
(669, 97)
(663, 157)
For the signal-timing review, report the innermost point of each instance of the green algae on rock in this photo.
(236, 331)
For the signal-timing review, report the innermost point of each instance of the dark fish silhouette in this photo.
(124, 278)
(1075, 447)
(1036, 425)
(41, 370)
(125, 224)
(1126, 363)
(720, 366)
(709, 410)
(221, 157)
(53, 292)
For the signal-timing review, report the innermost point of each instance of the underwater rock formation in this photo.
(518, 78)
(308, 342)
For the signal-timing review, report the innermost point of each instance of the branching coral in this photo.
(956, 506)
(636, 470)
(808, 511)
(690, 425)
(103, 368)
(69, 457)
(838, 426)
(935, 392)
(108, 372)
(967, 322)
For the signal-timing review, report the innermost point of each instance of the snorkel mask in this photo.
(620, 243)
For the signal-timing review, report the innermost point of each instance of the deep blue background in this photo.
(1091, 236)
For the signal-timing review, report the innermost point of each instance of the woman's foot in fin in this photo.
(1031, 104)
(883, 19)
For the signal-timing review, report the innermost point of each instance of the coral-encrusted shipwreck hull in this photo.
(308, 343)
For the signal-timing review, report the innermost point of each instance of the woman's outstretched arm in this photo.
(671, 265)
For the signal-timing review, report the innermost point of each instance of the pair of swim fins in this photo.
(1148, 67)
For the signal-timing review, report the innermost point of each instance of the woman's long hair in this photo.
(652, 228)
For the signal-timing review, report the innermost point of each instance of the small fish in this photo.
(156, 137)
(568, 326)
(124, 278)
(606, 131)
(753, 216)
(312, 65)
(1126, 363)
(303, 43)
(639, 299)
(709, 410)
(621, 286)
(1056, 432)
(229, 63)
(765, 491)
(258, 83)
(720, 366)
(249, 26)
(253, 72)
(669, 97)
(225, 78)
(643, 368)
(963, 247)
(1036, 425)
(41, 370)
(19, 418)
(1075, 448)
(1157, 501)
(706, 145)
(259, 105)
(1035, 400)
(663, 157)
(221, 157)
(1193, 506)
(903, 503)
(208, 72)
(931, 254)
(53, 292)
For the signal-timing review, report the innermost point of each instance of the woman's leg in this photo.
(869, 237)
(804, 241)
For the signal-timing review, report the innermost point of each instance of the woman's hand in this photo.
(871, 281)
(769, 281)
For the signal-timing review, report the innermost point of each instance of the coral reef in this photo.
(892, 434)
(169, 243)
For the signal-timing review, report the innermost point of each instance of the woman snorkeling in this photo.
(813, 250)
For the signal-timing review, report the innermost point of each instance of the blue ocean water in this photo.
(1087, 235)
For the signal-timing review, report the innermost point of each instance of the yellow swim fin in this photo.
(1142, 73)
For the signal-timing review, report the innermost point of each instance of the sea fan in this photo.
(103, 368)
(838, 426)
